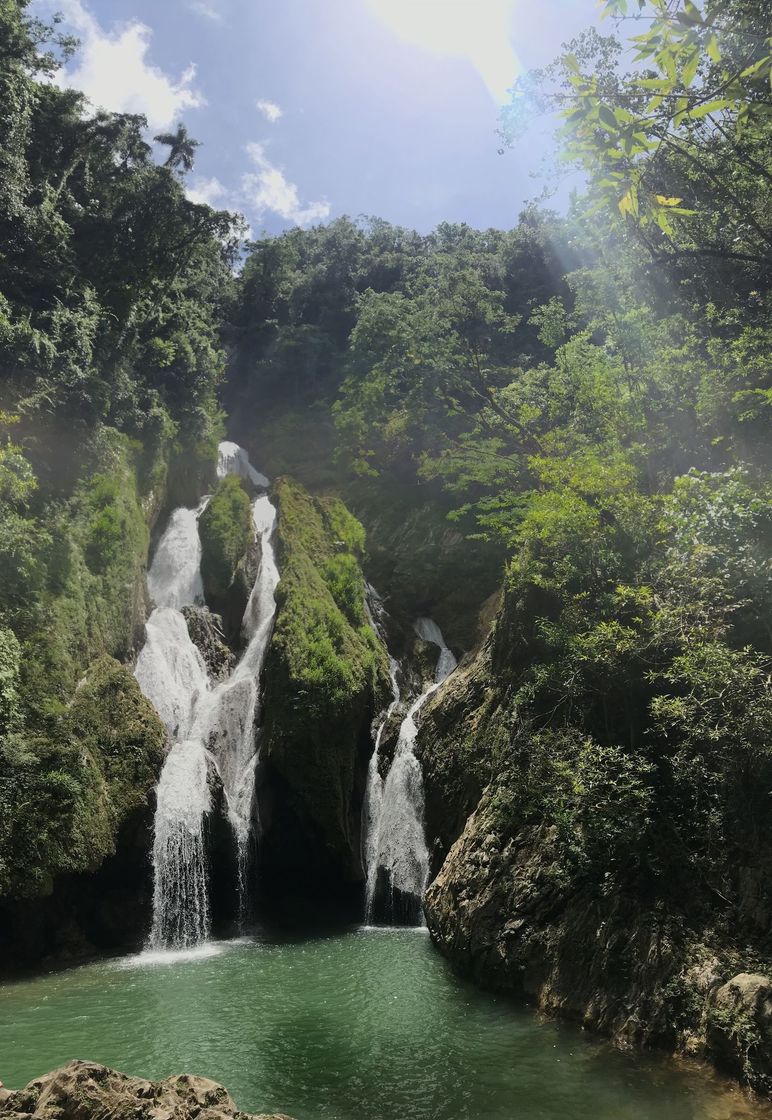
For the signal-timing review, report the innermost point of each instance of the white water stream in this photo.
(212, 728)
(394, 842)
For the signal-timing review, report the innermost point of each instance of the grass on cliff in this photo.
(322, 638)
(326, 672)
(226, 532)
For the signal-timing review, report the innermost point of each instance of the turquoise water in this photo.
(365, 1025)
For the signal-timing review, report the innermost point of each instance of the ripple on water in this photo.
(366, 1025)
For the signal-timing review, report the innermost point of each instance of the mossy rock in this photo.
(65, 796)
(227, 539)
(326, 674)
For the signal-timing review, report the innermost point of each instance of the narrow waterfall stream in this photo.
(212, 727)
(394, 842)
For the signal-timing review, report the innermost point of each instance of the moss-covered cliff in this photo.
(228, 563)
(326, 674)
(76, 822)
(81, 748)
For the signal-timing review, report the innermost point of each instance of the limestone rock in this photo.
(87, 1091)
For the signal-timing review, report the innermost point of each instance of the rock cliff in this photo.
(551, 881)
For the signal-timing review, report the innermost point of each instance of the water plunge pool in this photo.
(369, 1024)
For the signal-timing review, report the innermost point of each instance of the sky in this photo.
(311, 109)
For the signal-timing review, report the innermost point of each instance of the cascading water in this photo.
(232, 459)
(180, 891)
(170, 670)
(174, 579)
(394, 845)
(373, 799)
(212, 728)
(225, 719)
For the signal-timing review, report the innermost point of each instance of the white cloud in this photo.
(267, 190)
(208, 191)
(270, 110)
(208, 11)
(112, 69)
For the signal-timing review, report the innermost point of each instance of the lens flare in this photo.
(479, 30)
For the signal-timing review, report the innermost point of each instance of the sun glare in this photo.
(479, 30)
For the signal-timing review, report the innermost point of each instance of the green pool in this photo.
(364, 1025)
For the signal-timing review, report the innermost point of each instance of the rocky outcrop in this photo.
(738, 1027)
(206, 632)
(501, 910)
(553, 884)
(503, 913)
(325, 676)
(83, 880)
(423, 563)
(229, 556)
(87, 1091)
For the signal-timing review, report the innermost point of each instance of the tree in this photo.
(182, 153)
(680, 146)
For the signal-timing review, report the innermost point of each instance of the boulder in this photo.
(739, 1028)
(87, 1091)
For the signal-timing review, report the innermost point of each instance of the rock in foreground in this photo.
(87, 1091)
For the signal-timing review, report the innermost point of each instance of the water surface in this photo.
(365, 1025)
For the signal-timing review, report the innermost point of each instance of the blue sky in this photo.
(309, 109)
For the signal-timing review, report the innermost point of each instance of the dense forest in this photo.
(564, 426)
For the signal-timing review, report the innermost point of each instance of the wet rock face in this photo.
(206, 632)
(87, 1091)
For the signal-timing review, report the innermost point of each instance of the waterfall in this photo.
(170, 670)
(373, 799)
(394, 845)
(232, 459)
(225, 719)
(174, 579)
(212, 728)
(180, 898)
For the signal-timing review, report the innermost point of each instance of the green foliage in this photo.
(678, 148)
(343, 577)
(326, 673)
(90, 597)
(10, 663)
(65, 795)
(22, 537)
(112, 281)
(596, 798)
(226, 532)
(182, 148)
(326, 652)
